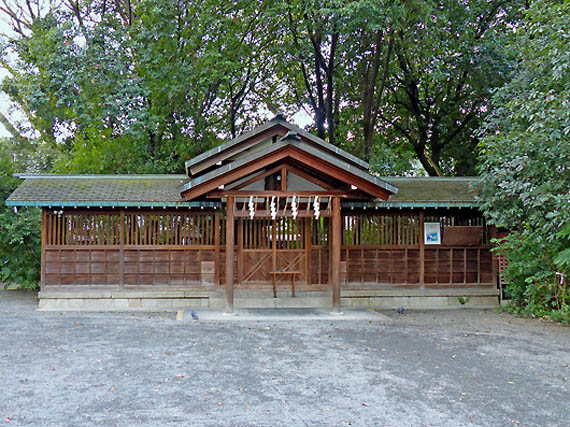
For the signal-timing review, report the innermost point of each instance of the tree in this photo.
(406, 78)
(140, 86)
(448, 58)
(525, 158)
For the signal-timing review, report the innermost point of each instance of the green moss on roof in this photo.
(164, 190)
(122, 190)
(433, 189)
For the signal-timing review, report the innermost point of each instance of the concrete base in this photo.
(169, 300)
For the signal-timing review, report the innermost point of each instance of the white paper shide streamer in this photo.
(294, 207)
(316, 207)
(272, 207)
(251, 208)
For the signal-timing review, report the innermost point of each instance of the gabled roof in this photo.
(288, 147)
(101, 190)
(276, 127)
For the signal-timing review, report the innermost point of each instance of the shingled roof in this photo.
(164, 191)
(101, 190)
(430, 192)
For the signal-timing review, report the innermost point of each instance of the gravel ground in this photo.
(456, 367)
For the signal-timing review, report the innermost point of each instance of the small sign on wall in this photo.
(432, 233)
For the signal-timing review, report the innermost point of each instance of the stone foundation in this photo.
(167, 300)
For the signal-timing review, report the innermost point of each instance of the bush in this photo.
(525, 163)
(20, 238)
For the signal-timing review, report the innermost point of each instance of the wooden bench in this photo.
(293, 274)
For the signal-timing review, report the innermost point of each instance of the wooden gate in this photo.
(265, 245)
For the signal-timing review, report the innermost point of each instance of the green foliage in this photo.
(524, 162)
(139, 94)
(19, 232)
(463, 300)
(143, 86)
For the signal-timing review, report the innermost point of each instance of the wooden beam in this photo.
(306, 175)
(339, 173)
(258, 177)
(230, 256)
(283, 179)
(336, 231)
(267, 214)
(350, 194)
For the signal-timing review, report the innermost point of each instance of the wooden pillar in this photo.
(273, 245)
(422, 249)
(308, 244)
(283, 179)
(230, 255)
(217, 248)
(122, 249)
(43, 255)
(239, 250)
(336, 231)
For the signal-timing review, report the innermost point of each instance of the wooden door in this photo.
(265, 245)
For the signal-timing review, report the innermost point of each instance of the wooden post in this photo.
(43, 256)
(217, 248)
(422, 249)
(239, 250)
(308, 243)
(283, 179)
(273, 245)
(122, 248)
(335, 257)
(230, 255)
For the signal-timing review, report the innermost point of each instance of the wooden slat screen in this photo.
(380, 230)
(140, 229)
(453, 220)
(185, 229)
(258, 233)
(71, 229)
(319, 231)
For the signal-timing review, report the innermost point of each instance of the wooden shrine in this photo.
(276, 217)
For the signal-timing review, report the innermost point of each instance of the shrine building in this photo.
(274, 218)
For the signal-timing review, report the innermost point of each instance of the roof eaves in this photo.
(61, 176)
(268, 125)
(329, 146)
(303, 146)
(113, 204)
(231, 166)
(415, 204)
(349, 168)
(226, 145)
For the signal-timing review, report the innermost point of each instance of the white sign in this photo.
(432, 233)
